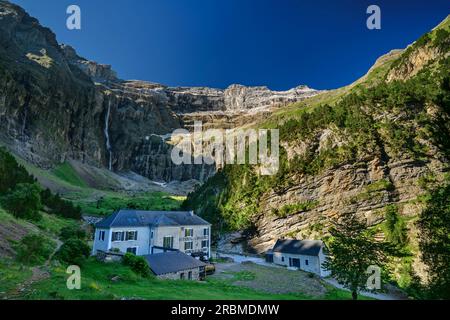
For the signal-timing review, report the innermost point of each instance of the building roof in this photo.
(171, 261)
(303, 247)
(137, 218)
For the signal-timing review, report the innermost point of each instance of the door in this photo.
(295, 262)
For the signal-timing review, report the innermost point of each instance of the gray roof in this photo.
(137, 218)
(303, 247)
(171, 261)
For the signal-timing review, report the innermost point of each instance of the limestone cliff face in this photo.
(56, 106)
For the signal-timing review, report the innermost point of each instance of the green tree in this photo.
(352, 250)
(24, 201)
(73, 251)
(72, 232)
(434, 241)
(137, 264)
(34, 249)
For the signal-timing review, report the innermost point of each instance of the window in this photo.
(101, 235)
(182, 275)
(205, 243)
(151, 235)
(188, 232)
(306, 262)
(132, 250)
(190, 275)
(168, 242)
(206, 232)
(131, 236)
(282, 259)
(118, 236)
(188, 245)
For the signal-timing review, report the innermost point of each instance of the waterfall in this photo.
(202, 172)
(108, 143)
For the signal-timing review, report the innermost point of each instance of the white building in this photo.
(149, 232)
(306, 255)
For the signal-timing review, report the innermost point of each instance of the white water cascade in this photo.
(108, 143)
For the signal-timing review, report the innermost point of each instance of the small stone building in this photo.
(306, 255)
(175, 265)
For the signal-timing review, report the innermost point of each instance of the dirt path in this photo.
(38, 273)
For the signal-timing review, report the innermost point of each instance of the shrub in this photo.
(24, 202)
(72, 232)
(34, 249)
(73, 251)
(290, 209)
(137, 264)
(395, 226)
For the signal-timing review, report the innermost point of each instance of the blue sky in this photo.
(281, 44)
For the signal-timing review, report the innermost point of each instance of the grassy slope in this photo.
(13, 273)
(99, 202)
(66, 173)
(97, 284)
(373, 77)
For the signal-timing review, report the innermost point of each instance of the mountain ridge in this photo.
(50, 93)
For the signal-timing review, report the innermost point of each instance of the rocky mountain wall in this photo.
(57, 106)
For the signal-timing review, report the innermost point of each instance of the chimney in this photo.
(191, 213)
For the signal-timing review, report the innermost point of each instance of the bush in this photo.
(395, 227)
(24, 202)
(34, 249)
(137, 264)
(72, 232)
(73, 251)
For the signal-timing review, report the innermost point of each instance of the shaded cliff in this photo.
(57, 106)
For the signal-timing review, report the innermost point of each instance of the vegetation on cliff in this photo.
(401, 116)
(434, 225)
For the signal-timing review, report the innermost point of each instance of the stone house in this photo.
(306, 255)
(175, 265)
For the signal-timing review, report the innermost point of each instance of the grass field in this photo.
(66, 173)
(96, 284)
(11, 274)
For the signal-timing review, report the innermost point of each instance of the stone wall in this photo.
(177, 275)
